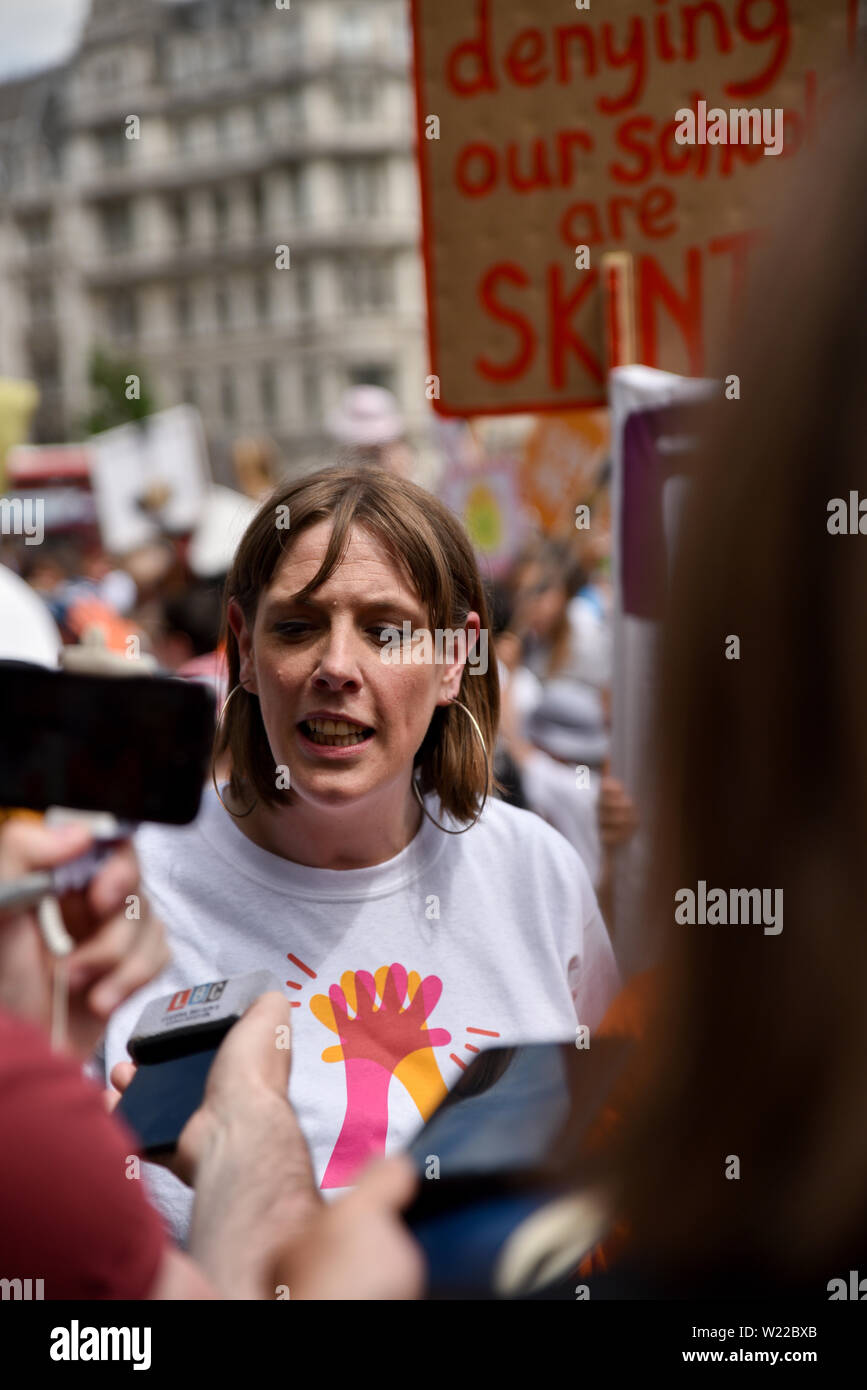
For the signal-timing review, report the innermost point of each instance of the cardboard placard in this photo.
(150, 477)
(545, 127)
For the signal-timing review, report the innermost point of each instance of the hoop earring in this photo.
(417, 791)
(239, 815)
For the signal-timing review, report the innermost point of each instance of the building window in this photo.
(312, 396)
(298, 194)
(294, 109)
(184, 137)
(179, 214)
(302, 280)
(36, 230)
(221, 213)
(183, 312)
(354, 35)
(116, 226)
(46, 370)
(262, 298)
(400, 39)
(243, 47)
(113, 147)
(227, 396)
(41, 298)
(225, 129)
(356, 98)
(374, 374)
(189, 394)
(221, 306)
(287, 37)
(107, 72)
(123, 314)
(362, 183)
(366, 283)
(257, 206)
(268, 391)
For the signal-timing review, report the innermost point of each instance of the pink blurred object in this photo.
(367, 416)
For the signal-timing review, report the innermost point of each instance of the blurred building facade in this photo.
(157, 240)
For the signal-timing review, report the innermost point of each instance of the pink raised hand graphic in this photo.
(374, 1042)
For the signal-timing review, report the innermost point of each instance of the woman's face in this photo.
(323, 659)
(540, 600)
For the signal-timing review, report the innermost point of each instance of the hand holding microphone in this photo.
(115, 950)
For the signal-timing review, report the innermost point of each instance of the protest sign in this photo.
(150, 478)
(18, 401)
(549, 135)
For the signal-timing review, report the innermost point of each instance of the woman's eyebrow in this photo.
(361, 603)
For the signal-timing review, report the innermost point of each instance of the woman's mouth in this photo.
(334, 733)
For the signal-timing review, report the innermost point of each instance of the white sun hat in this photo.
(367, 416)
(27, 630)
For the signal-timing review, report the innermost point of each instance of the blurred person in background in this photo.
(81, 588)
(190, 624)
(369, 427)
(562, 632)
(553, 649)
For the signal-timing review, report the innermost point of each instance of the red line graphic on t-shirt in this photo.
(294, 984)
(301, 965)
(377, 1043)
(471, 1047)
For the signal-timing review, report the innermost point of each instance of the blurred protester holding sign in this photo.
(555, 670)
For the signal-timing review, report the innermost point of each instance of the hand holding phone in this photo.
(174, 1045)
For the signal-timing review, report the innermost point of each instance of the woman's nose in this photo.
(338, 666)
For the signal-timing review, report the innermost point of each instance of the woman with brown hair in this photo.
(356, 849)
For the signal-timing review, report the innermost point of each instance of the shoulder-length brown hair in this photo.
(761, 1045)
(426, 541)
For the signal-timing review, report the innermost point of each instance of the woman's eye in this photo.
(292, 629)
(386, 632)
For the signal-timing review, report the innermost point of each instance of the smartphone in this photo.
(504, 1144)
(173, 1045)
(136, 746)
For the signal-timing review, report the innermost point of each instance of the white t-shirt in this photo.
(494, 935)
(550, 788)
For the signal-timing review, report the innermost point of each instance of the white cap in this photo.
(27, 630)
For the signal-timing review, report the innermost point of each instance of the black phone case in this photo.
(161, 1098)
